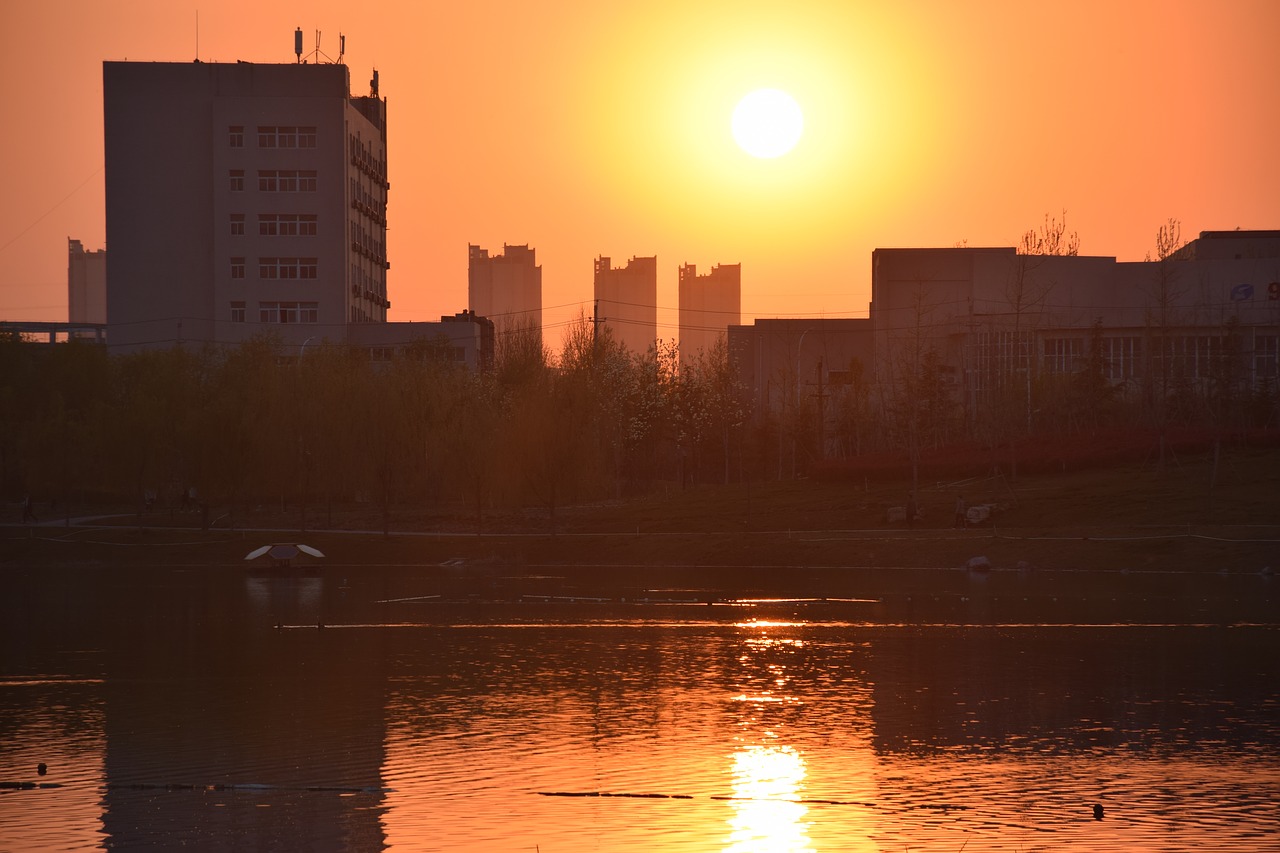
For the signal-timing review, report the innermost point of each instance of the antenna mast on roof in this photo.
(318, 56)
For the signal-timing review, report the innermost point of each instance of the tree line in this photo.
(225, 429)
(221, 430)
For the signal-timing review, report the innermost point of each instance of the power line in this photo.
(56, 205)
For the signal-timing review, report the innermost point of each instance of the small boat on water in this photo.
(283, 553)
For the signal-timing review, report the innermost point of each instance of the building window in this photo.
(1062, 355)
(1186, 356)
(237, 180)
(237, 225)
(237, 312)
(1121, 357)
(237, 267)
(1266, 356)
(287, 180)
(270, 136)
(1000, 358)
(286, 224)
(288, 268)
(235, 136)
(288, 312)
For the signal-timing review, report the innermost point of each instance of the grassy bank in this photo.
(1195, 515)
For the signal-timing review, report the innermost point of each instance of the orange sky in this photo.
(595, 128)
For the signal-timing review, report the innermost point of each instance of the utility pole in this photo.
(595, 330)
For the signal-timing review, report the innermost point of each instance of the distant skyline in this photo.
(585, 130)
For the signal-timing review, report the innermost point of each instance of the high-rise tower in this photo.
(242, 198)
(709, 305)
(626, 300)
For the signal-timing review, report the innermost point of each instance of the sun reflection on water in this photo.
(767, 776)
(767, 816)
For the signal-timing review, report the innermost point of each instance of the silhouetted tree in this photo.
(1165, 292)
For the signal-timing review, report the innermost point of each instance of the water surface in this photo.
(218, 710)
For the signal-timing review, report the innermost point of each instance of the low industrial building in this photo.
(986, 320)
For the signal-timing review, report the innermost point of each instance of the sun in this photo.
(767, 123)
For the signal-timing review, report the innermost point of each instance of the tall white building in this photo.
(242, 198)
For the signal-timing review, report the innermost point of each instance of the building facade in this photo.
(507, 289)
(242, 198)
(86, 284)
(626, 301)
(990, 322)
(782, 363)
(709, 305)
(814, 370)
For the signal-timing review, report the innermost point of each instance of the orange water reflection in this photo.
(767, 816)
(776, 784)
(62, 727)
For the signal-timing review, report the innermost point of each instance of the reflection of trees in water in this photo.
(1066, 689)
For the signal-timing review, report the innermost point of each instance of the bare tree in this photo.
(1164, 293)
(1009, 376)
(1052, 239)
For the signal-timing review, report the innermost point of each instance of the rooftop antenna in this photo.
(373, 84)
(197, 35)
(342, 46)
(297, 43)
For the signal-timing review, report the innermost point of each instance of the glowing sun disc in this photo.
(767, 123)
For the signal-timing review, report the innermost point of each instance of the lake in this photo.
(365, 708)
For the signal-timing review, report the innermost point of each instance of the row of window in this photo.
(278, 268)
(1002, 355)
(370, 163)
(278, 312)
(277, 180)
(365, 279)
(273, 136)
(287, 268)
(277, 224)
(368, 239)
(458, 354)
(286, 224)
(361, 195)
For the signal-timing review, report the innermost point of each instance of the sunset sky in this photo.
(594, 128)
